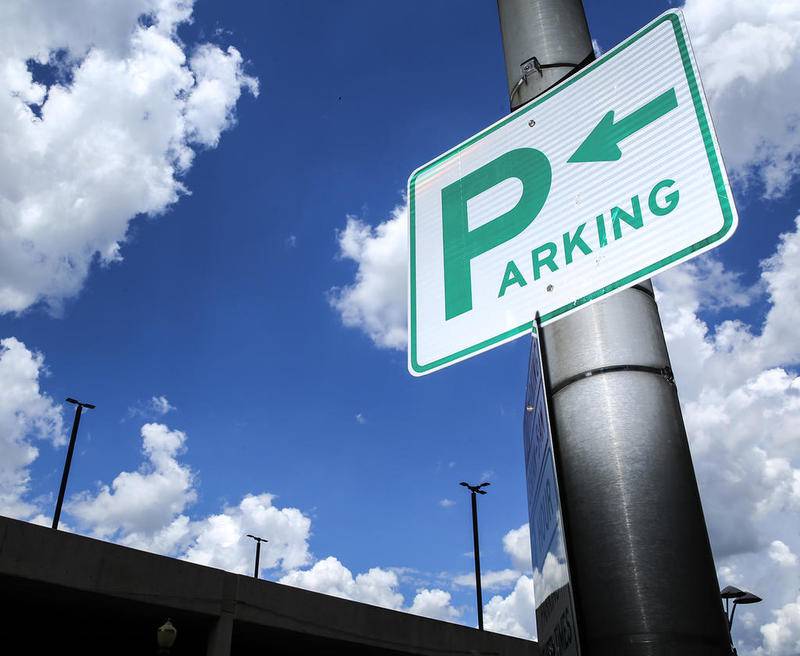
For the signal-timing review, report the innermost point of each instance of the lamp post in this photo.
(75, 423)
(258, 551)
(739, 597)
(474, 490)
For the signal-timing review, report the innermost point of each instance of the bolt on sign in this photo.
(603, 181)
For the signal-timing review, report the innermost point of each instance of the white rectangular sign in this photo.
(603, 181)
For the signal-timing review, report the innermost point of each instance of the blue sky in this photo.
(221, 302)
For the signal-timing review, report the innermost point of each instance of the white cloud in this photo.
(219, 540)
(146, 509)
(435, 604)
(782, 554)
(161, 405)
(446, 503)
(782, 637)
(139, 503)
(741, 402)
(377, 586)
(513, 614)
(154, 408)
(361, 419)
(748, 52)
(490, 579)
(26, 413)
(376, 301)
(107, 141)
(517, 544)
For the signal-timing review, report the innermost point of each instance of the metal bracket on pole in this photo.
(533, 64)
(665, 372)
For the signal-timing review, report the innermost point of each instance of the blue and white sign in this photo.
(556, 628)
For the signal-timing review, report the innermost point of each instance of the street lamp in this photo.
(739, 597)
(474, 490)
(258, 551)
(166, 634)
(75, 423)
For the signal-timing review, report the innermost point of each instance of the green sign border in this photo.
(674, 17)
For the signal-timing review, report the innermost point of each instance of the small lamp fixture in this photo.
(739, 597)
(166, 635)
(730, 592)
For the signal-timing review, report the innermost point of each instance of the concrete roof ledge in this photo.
(40, 555)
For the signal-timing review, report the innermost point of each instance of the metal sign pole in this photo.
(641, 564)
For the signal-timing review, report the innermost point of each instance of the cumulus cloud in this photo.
(513, 614)
(147, 509)
(26, 414)
(377, 586)
(376, 301)
(741, 402)
(782, 637)
(748, 52)
(782, 554)
(490, 579)
(100, 115)
(517, 544)
(219, 540)
(139, 503)
(435, 604)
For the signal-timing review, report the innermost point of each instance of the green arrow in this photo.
(602, 143)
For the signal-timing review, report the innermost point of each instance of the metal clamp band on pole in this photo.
(664, 372)
(534, 63)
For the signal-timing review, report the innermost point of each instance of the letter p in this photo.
(532, 168)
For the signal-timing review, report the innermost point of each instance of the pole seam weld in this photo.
(664, 372)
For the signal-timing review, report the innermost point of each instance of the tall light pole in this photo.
(75, 423)
(258, 551)
(640, 560)
(474, 490)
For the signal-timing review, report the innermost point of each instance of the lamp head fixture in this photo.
(475, 489)
(83, 405)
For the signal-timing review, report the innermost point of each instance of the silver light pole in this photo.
(643, 574)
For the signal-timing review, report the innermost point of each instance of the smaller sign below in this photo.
(556, 628)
